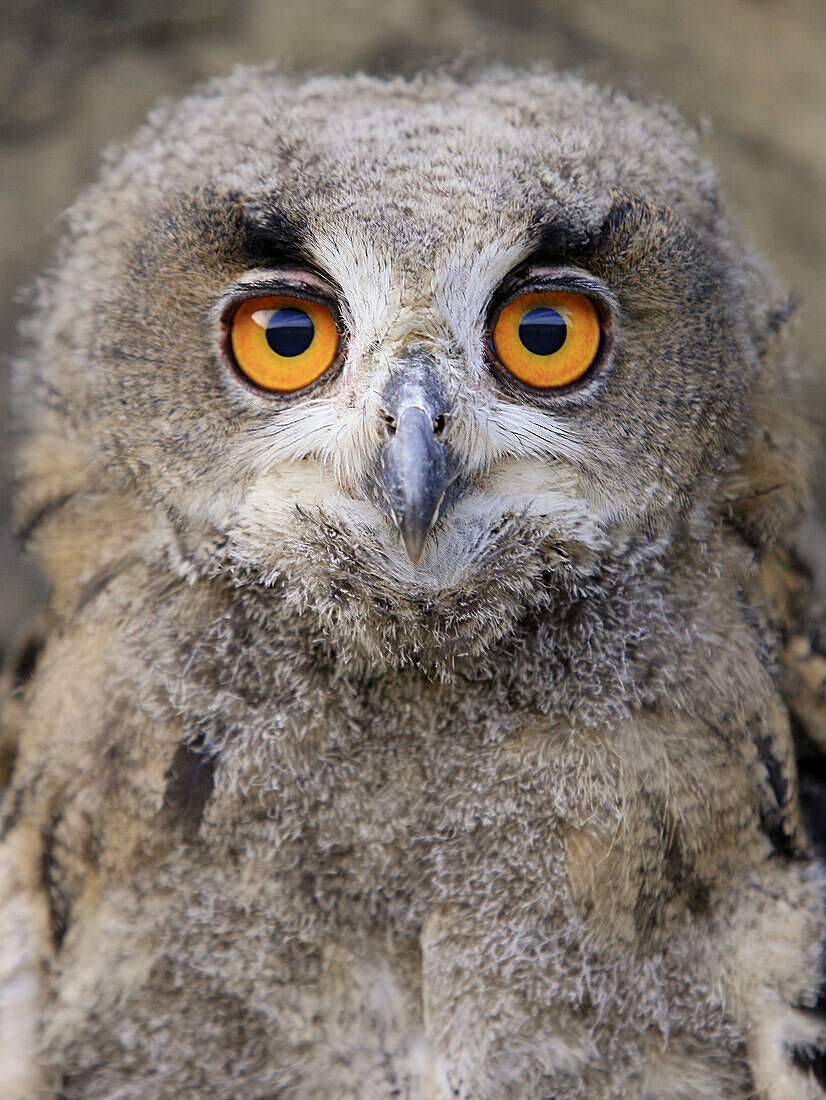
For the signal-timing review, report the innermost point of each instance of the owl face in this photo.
(411, 355)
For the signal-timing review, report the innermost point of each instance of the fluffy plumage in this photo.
(292, 816)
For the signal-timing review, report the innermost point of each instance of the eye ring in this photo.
(548, 340)
(282, 343)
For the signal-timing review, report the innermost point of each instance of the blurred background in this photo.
(78, 75)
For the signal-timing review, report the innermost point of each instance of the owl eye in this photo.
(283, 344)
(547, 339)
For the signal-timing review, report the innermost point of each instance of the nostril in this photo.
(438, 424)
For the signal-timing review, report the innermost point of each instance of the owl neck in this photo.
(633, 631)
(635, 635)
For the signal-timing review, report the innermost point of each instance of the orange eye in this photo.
(548, 338)
(283, 344)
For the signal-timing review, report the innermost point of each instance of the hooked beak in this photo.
(416, 472)
(413, 476)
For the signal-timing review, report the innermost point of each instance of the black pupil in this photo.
(290, 331)
(543, 331)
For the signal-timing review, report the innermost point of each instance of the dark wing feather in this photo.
(17, 667)
(793, 582)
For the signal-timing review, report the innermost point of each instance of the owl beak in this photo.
(415, 479)
(414, 476)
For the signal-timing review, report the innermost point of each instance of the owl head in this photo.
(410, 360)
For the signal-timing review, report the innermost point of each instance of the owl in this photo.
(415, 467)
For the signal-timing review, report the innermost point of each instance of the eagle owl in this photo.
(410, 461)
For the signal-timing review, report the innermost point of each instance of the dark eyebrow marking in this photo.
(225, 224)
(557, 239)
(271, 235)
(562, 239)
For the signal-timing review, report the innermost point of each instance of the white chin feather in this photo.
(283, 501)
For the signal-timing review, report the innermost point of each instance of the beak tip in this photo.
(414, 544)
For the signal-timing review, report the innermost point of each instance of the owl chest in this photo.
(417, 810)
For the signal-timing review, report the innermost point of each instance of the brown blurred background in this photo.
(77, 75)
